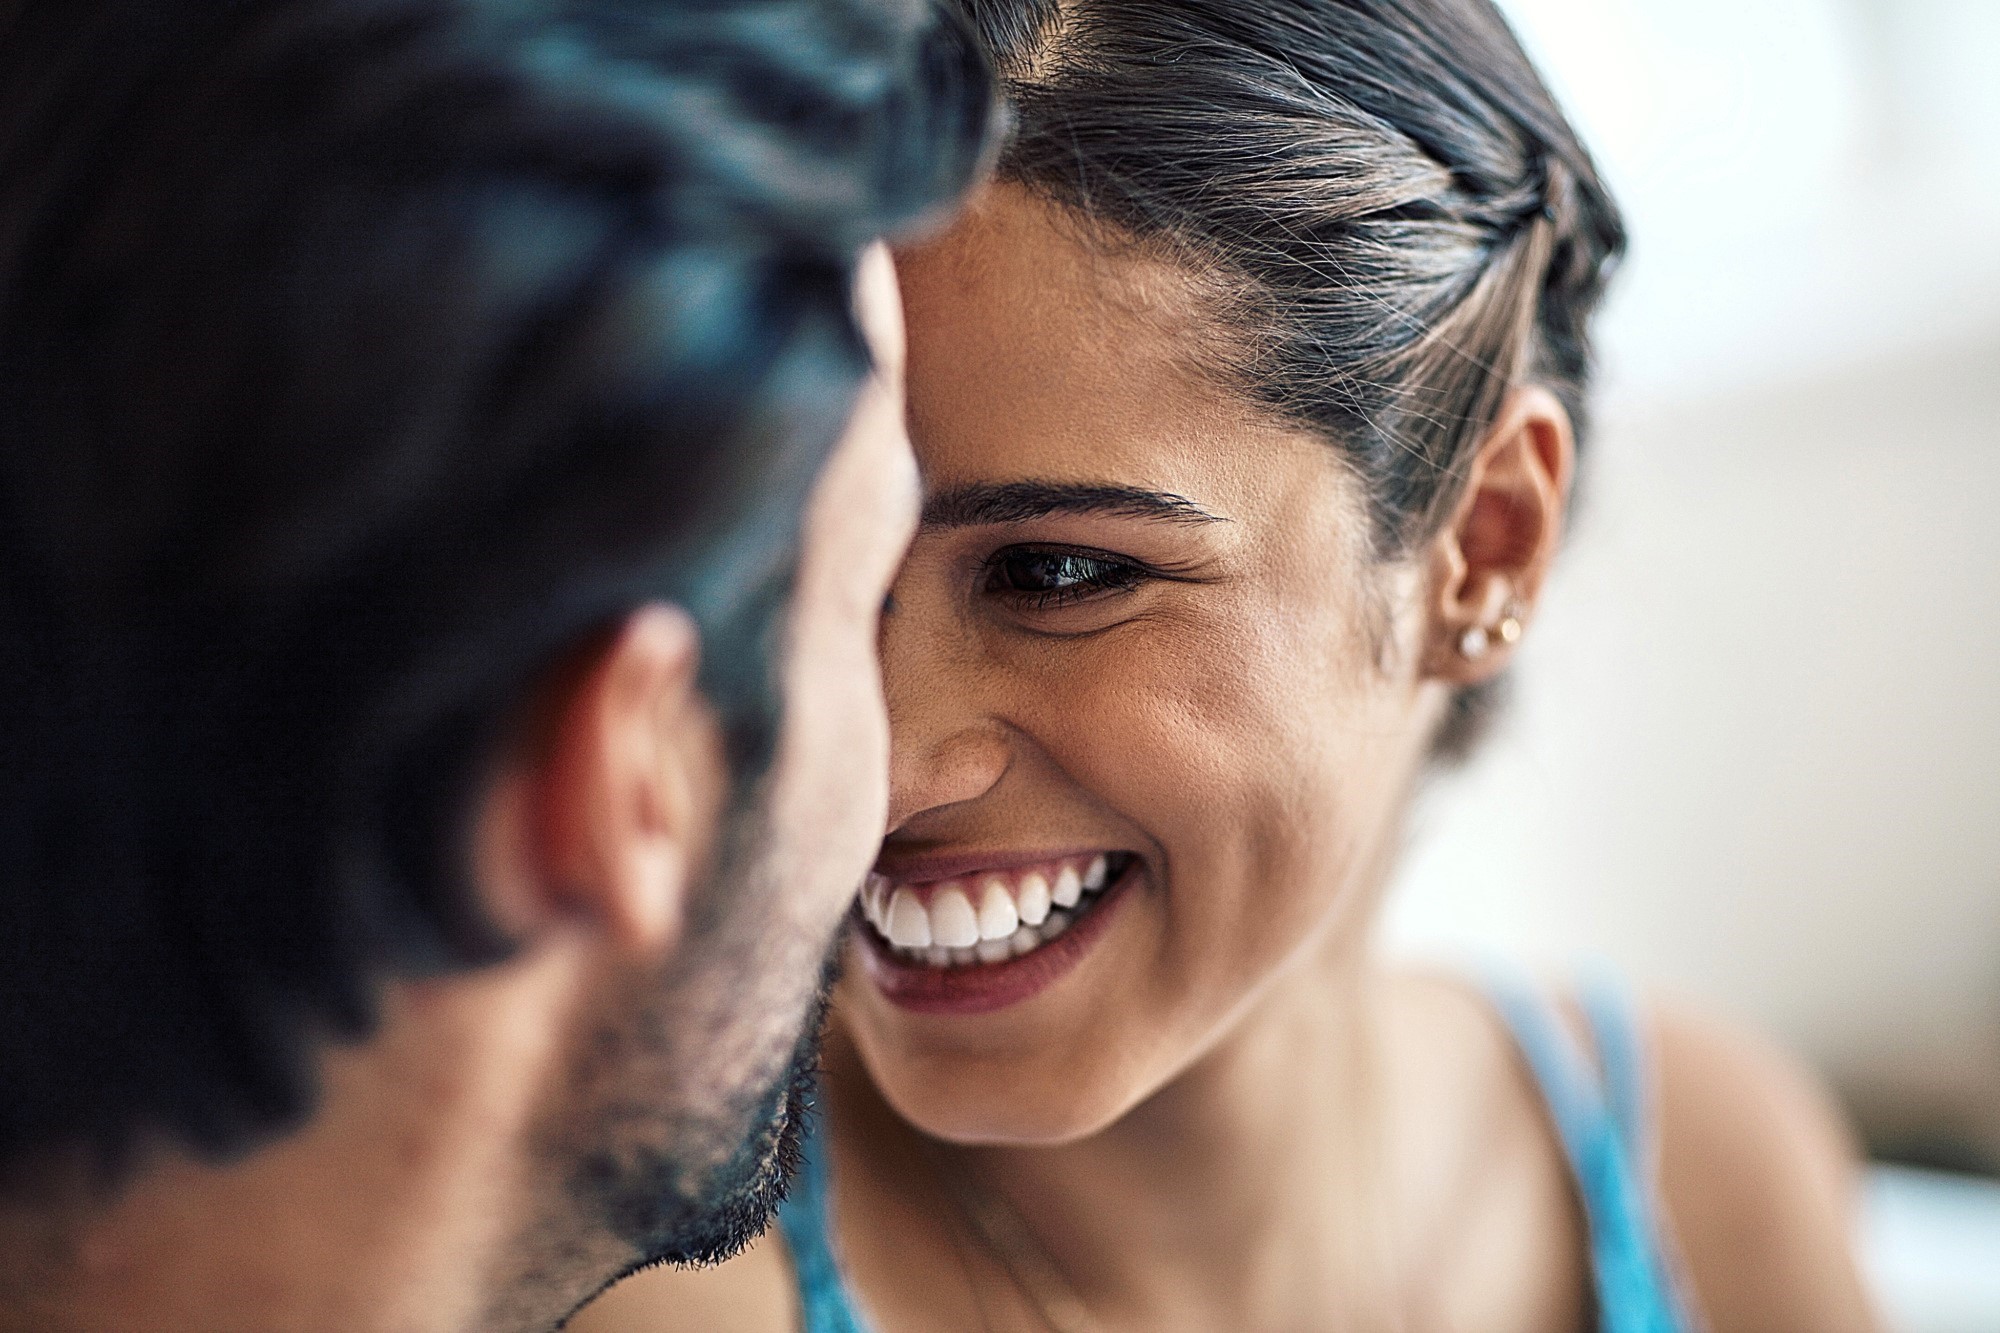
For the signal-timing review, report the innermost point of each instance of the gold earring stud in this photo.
(1477, 640)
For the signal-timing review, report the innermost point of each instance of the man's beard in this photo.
(670, 1212)
(691, 1098)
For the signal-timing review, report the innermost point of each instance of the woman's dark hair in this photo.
(358, 359)
(1402, 222)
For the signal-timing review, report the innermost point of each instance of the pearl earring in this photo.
(1477, 640)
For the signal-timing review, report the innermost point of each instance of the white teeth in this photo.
(968, 924)
(953, 922)
(998, 917)
(909, 926)
(1068, 888)
(1034, 900)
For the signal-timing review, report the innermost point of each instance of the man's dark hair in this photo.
(359, 358)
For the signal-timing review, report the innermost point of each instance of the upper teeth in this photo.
(984, 911)
(998, 916)
(1068, 887)
(953, 923)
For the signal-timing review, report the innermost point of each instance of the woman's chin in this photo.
(1019, 1123)
(993, 1103)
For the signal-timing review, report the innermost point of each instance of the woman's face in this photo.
(1139, 637)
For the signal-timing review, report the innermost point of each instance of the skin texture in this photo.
(1226, 1116)
(432, 1191)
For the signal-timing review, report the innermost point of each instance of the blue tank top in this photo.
(1601, 1122)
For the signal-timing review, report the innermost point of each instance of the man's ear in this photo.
(1488, 561)
(608, 813)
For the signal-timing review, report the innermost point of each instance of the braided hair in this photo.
(1396, 220)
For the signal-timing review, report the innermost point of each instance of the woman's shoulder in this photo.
(751, 1293)
(1757, 1173)
(1755, 1165)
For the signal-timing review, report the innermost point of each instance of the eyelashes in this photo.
(1046, 578)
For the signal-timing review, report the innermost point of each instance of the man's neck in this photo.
(285, 1240)
(394, 1209)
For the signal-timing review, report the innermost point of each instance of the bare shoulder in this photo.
(1757, 1172)
(752, 1293)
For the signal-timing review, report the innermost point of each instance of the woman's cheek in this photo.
(1213, 742)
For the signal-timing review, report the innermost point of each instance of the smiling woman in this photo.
(1247, 404)
(1156, 649)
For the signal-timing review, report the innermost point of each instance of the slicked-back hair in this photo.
(358, 359)
(1402, 222)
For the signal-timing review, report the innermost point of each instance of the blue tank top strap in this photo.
(805, 1220)
(1601, 1125)
(1614, 1030)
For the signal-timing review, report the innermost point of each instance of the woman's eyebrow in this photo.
(1021, 501)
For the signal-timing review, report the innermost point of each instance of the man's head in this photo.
(679, 1124)
(407, 410)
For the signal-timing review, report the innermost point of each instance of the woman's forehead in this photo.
(1035, 352)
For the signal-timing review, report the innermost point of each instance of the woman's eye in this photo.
(1046, 578)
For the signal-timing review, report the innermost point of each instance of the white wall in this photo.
(1756, 752)
(1810, 183)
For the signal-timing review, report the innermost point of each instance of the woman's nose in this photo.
(932, 772)
(945, 748)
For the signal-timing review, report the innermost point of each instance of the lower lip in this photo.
(985, 987)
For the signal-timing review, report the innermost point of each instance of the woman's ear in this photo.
(608, 812)
(1488, 561)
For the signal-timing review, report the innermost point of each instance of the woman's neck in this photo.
(1242, 1194)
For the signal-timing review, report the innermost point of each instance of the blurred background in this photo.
(1755, 753)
